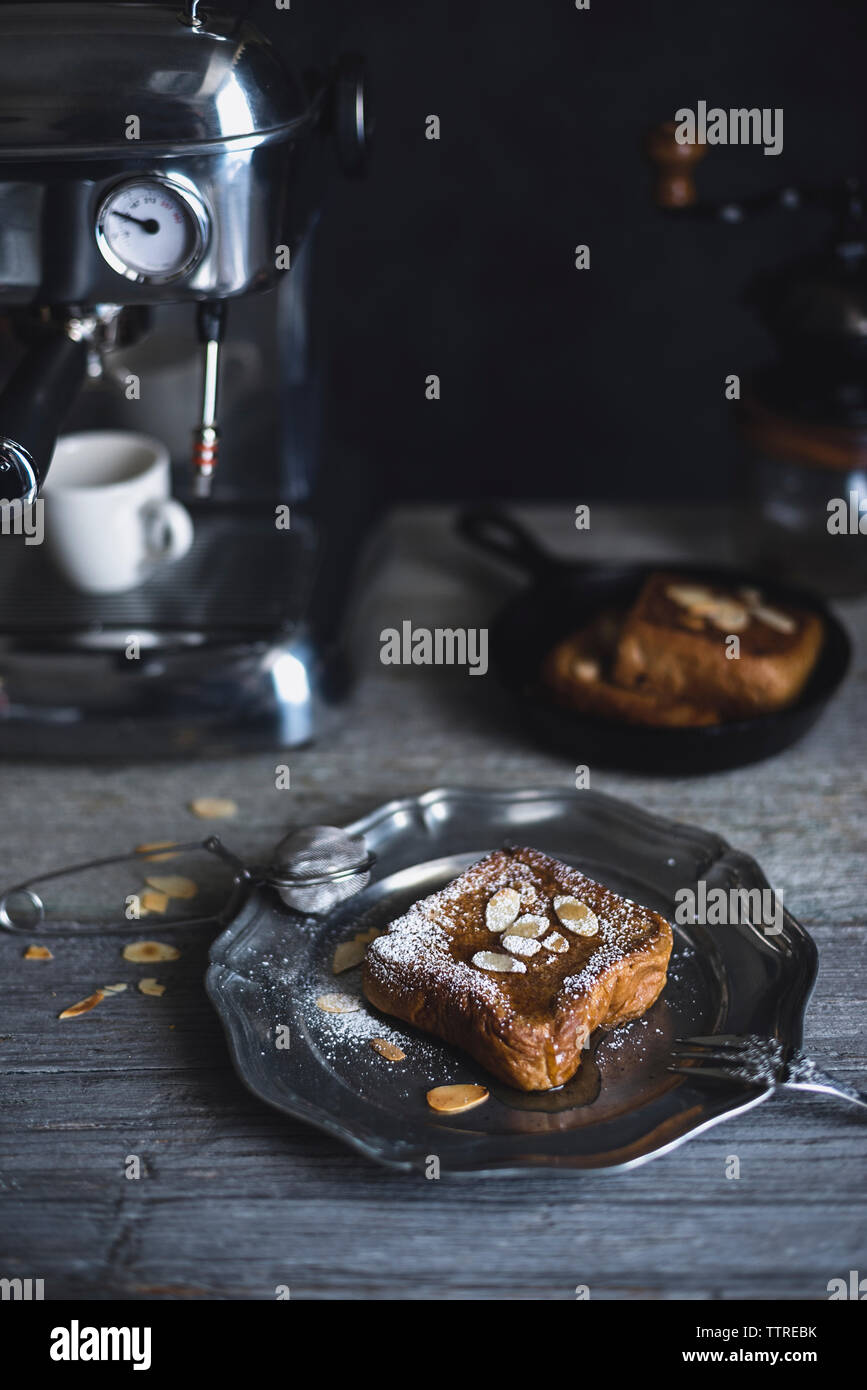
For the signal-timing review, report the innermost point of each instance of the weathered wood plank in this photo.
(237, 1199)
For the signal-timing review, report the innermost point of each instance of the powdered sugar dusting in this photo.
(346, 1037)
(429, 937)
(428, 953)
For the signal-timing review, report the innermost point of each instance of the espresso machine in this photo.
(160, 173)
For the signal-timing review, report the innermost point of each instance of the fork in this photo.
(760, 1062)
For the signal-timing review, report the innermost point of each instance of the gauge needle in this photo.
(148, 224)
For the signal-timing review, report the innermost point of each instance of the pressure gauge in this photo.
(152, 229)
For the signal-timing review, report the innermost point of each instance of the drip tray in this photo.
(242, 578)
(227, 654)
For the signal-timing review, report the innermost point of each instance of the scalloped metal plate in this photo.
(269, 964)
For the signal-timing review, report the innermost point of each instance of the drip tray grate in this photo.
(242, 577)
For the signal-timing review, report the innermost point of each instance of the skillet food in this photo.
(687, 654)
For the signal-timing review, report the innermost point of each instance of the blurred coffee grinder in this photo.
(802, 418)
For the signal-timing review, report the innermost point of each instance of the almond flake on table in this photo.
(150, 985)
(83, 1006)
(213, 807)
(142, 952)
(38, 953)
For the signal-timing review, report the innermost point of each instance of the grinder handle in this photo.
(33, 406)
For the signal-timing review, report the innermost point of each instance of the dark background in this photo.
(457, 257)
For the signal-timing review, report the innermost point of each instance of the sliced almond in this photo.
(347, 955)
(689, 595)
(502, 909)
(84, 1006)
(751, 597)
(529, 925)
(556, 943)
(151, 986)
(451, 1100)
(173, 885)
(157, 845)
(389, 1050)
(575, 915)
(152, 900)
(493, 960)
(772, 617)
(38, 953)
(113, 989)
(586, 670)
(142, 952)
(706, 607)
(365, 937)
(729, 616)
(520, 945)
(338, 1004)
(213, 807)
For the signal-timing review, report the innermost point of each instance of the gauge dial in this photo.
(151, 230)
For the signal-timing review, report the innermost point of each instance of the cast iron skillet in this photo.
(564, 596)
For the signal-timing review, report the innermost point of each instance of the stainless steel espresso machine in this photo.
(159, 176)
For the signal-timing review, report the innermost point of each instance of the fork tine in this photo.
(719, 1040)
(719, 1074)
(704, 1055)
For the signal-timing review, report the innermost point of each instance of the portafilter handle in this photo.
(33, 405)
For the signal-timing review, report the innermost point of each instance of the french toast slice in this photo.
(518, 961)
(579, 673)
(675, 642)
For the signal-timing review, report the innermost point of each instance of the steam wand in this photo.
(210, 322)
(190, 14)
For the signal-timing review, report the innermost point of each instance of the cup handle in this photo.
(168, 529)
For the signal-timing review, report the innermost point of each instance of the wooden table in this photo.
(235, 1199)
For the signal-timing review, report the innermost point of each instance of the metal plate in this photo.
(269, 966)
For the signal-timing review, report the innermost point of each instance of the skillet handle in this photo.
(499, 534)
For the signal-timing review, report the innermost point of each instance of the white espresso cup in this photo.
(110, 521)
